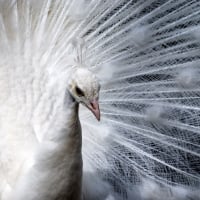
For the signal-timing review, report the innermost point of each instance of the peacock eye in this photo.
(79, 92)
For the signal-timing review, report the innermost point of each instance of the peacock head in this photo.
(84, 88)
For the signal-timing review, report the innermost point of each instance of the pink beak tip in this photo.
(94, 107)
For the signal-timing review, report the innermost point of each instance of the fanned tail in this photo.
(146, 55)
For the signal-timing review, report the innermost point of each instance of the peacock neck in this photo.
(69, 131)
(66, 158)
(57, 168)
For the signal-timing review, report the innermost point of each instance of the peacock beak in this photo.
(94, 107)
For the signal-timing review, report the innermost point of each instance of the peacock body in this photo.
(146, 56)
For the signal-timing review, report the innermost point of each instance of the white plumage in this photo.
(54, 168)
(146, 57)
